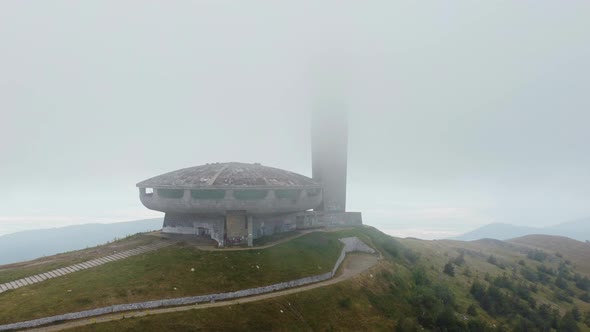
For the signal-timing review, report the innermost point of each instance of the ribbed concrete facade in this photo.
(230, 202)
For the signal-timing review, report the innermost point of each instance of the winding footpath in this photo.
(349, 265)
(352, 266)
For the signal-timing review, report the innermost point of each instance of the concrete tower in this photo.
(329, 139)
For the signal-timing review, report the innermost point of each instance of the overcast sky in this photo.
(461, 113)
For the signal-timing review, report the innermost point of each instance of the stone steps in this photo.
(80, 266)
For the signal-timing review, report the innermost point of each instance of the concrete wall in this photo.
(350, 245)
(315, 219)
(260, 225)
(269, 204)
(268, 225)
(177, 223)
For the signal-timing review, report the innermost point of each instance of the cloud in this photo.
(421, 233)
(425, 222)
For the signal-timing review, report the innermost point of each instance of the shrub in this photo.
(538, 255)
(563, 297)
(546, 270)
(529, 275)
(411, 256)
(583, 283)
(561, 283)
(345, 303)
(420, 277)
(449, 269)
(405, 324)
(460, 260)
(492, 260)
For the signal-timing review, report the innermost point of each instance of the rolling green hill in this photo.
(522, 285)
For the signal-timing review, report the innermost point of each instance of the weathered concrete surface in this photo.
(228, 179)
(78, 267)
(350, 245)
(227, 175)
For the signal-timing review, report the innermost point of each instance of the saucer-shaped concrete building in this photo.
(224, 187)
(237, 202)
(230, 201)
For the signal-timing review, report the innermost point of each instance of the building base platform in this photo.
(237, 227)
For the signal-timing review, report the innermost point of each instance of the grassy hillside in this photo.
(14, 271)
(168, 273)
(576, 251)
(484, 285)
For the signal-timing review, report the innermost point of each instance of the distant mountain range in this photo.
(27, 245)
(578, 230)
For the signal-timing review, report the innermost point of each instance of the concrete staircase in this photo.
(81, 266)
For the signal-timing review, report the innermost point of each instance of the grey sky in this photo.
(461, 113)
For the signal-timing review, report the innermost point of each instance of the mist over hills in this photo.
(27, 245)
(31, 244)
(578, 230)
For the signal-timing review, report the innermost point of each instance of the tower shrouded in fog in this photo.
(235, 203)
(329, 140)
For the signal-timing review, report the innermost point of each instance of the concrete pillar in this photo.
(229, 194)
(250, 231)
(221, 240)
(186, 198)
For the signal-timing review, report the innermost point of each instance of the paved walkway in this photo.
(353, 265)
(81, 266)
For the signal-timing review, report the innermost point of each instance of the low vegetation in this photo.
(16, 271)
(418, 285)
(175, 271)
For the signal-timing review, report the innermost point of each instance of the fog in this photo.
(460, 114)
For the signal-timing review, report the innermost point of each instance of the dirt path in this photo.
(353, 265)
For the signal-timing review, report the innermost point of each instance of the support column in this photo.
(250, 231)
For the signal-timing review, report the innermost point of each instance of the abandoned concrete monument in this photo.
(235, 203)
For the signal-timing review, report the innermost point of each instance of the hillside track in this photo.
(353, 265)
(26, 281)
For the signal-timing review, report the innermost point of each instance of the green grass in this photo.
(268, 239)
(370, 302)
(350, 305)
(167, 274)
(384, 299)
(15, 274)
(344, 306)
(17, 271)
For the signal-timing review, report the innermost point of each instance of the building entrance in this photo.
(236, 228)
